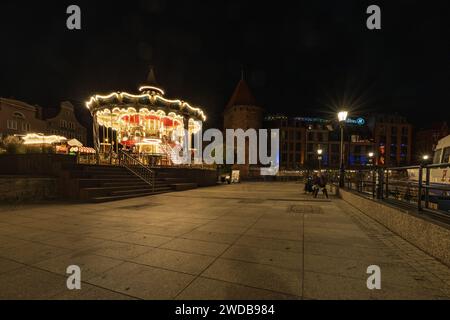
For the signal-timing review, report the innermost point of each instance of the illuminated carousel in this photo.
(146, 124)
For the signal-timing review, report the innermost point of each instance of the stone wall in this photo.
(40, 164)
(430, 236)
(202, 177)
(27, 189)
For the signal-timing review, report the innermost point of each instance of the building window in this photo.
(320, 137)
(405, 131)
(26, 127)
(446, 156)
(11, 124)
(393, 131)
(335, 148)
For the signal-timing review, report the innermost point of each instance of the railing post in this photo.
(427, 187)
(374, 182)
(387, 184)
(380, 187)
(419, 191)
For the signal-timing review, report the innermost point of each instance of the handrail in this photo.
(136, 167)
(438, 165)
(387, 184)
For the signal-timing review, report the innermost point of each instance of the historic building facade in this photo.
(393, 137)
(302, 137)
(20, 118)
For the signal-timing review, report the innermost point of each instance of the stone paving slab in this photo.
(244, 241)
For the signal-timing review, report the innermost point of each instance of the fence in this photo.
(149, 160)
(426, 187)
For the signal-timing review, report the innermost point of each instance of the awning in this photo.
(74, 143)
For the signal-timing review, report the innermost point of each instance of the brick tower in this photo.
(242, 112)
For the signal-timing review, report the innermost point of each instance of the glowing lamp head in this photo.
(425, 157)
(342, 116)
(371, 154)
(319, 152)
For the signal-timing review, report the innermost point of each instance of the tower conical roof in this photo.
(242, 96)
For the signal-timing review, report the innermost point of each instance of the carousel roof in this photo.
(151, 97)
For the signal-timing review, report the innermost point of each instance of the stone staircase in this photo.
(108, 183)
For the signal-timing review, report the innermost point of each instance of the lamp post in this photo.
(371, 155)
(342, 117)
(372, 167)
(319, 156)
(424, 165)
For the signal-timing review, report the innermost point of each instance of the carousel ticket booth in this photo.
(145, 125)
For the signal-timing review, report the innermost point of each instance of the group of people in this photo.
(318, 182)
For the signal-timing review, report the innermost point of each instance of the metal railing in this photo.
(425, 187)
(137, 168)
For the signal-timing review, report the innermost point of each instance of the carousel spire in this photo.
(151, 78)
(151, 85)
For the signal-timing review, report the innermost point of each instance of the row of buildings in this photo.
(20, 118)
(390, 138)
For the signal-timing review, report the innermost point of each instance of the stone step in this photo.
(131, 183)
(101, 169)
(93, 182)
(183, 186)
(88, 193)
(123, 197)
(140, 191)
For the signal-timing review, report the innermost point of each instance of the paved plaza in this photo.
(245, 241)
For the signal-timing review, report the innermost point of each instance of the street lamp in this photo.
(425, 159)
(374, 177)
(371, 155)
(342, 117)
(319, 153)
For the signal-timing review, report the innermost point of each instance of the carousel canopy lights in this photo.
(151, 88)
(147, 100)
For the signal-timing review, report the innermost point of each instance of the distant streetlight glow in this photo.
(425, 157)
(371, 154)
(319, 153)
(342, 116)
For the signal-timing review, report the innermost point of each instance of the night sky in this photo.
(299, 57)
